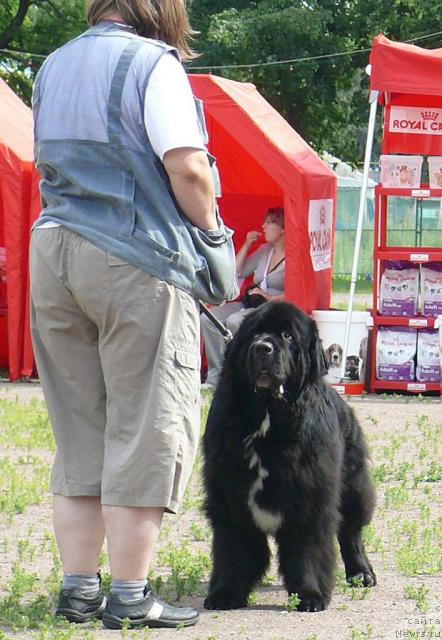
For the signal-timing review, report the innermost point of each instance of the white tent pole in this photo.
(362, 203)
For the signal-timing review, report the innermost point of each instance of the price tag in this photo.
(416, 386)
(420, 193)
(419, 257)
(418, 322)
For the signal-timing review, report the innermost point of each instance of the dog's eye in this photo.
(287, 336)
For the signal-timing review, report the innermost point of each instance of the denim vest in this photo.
(113, 189)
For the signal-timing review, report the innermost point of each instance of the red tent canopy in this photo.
(409, 80)
(19, 206)
(404, 68)
(263, 162)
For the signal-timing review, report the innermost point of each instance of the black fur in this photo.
(310, 455)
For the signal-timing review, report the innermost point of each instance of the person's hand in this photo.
(253, 236)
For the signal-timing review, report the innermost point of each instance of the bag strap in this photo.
(227, 334)
(268, 272)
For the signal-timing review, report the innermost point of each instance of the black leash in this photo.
(227, 334)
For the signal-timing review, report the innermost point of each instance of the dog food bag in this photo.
(399, 292)
(435, 171)
(403, 172)
(395, 353)
(431, 291)
(428, 361)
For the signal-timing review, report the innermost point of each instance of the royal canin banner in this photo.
(412, 129)
(320, 222)
(415, 120)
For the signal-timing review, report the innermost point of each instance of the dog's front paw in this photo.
(223, 599)
(365, 578)
(312, 602)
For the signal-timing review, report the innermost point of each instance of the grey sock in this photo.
(128, 590)
(87, 583)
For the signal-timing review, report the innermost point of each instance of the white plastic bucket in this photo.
(331, 327)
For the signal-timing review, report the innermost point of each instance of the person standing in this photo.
(119, 257)
(267, 264)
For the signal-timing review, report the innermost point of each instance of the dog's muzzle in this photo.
(263, 364)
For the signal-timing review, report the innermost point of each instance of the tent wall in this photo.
(263, 162)
(19, 207)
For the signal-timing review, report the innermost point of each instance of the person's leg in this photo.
(150, 356)
(132, 533)
(79, 531)
(214, 342)
(65, 344)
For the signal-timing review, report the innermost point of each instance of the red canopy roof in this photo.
(405, 68)
(264, 162)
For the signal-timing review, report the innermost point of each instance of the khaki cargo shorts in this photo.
(118, 356)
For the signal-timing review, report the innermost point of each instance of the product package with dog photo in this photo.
(284, 457)
(428, 361)
(431, 285)
(399, 292)
(395, 353)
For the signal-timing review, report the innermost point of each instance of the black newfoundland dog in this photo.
(284, 456)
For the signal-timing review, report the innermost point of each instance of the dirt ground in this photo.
(380, 613)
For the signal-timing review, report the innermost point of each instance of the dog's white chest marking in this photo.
(268, 521)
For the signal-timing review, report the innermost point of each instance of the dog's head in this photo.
(352, 367)
(333, 355)
(276, 347)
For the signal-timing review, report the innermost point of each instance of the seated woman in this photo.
(267, 265)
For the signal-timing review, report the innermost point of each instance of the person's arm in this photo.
(191, 181)
(241, 256)
(171, 124)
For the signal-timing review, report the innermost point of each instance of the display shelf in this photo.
(424, 191)
(412, 387)
(382, 253)
(416, 254)
(405, 321)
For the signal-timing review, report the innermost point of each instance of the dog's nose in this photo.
(263, 348)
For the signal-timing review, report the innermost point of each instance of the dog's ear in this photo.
(318, 361)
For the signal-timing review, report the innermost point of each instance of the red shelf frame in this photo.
(417, 322)
(412, 386)
(417, 255)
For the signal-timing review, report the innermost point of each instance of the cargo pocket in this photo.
(187, 371)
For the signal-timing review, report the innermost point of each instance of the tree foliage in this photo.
(46, 25)
(325, 99)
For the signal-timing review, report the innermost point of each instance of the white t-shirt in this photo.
(169, 111)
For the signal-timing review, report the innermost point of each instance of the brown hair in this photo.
(164, 20)
(275, 214)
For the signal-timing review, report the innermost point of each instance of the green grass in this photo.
(405, 537)
(341, 284)
(25, 426)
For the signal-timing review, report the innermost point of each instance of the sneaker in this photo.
(149, 611)
(76, 607)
